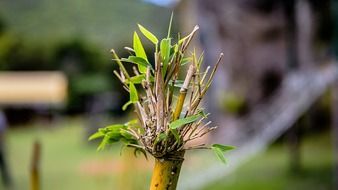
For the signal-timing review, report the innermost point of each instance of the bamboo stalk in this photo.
(166, 173)
(183, 92)
(167, 170)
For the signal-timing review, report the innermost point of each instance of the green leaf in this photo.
(133, 93)
(139, 78)
(96, 135)
(223, 148)
(218, 152)
(170, 23)
(114, 127)
(165, 48)
(165, 53)
(140, 150)
(103, 143)
(109, 138)
(186, 60)
(124, 133)
(141, 62)
(160, 137)
(103, 130)
(178, 83)
(180, 122)
(125, 106)
(115, 133)
(183, 39)
(200, 59)
(114, 136)
(136, 79)
(139, 51)
(127, 140)
(220, 149)
(176, 135)
(175, 48)
(148, 34)
(135, 124)
(131, 122)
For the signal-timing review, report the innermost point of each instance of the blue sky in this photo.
(164, 3)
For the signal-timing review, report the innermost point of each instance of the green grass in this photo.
(69, 162)
(271, 170)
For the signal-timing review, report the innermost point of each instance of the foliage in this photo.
(87, 71)
(219, 149)
(165, 123)
(2, 26)
(103, 22)
(28, 42)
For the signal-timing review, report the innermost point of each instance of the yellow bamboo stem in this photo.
(179, 105)
(166, 173)
(183, 92)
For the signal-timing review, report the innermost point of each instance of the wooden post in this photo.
(34, 170)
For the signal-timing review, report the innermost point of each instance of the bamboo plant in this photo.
(166, 105)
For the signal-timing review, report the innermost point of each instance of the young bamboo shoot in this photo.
(162, 128)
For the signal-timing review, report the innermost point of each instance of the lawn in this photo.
(69, 162)
(271, 170)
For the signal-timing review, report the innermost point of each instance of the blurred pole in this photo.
(335, 132)
(334, 10)
(187, 19)
(334, 103)
(35, 166)
(186, 16)
(293, 142)
(6, 179)
(291, 32)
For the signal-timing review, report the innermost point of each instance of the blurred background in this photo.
(275, 96)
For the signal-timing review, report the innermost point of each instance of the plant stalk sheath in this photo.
(166, 173)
